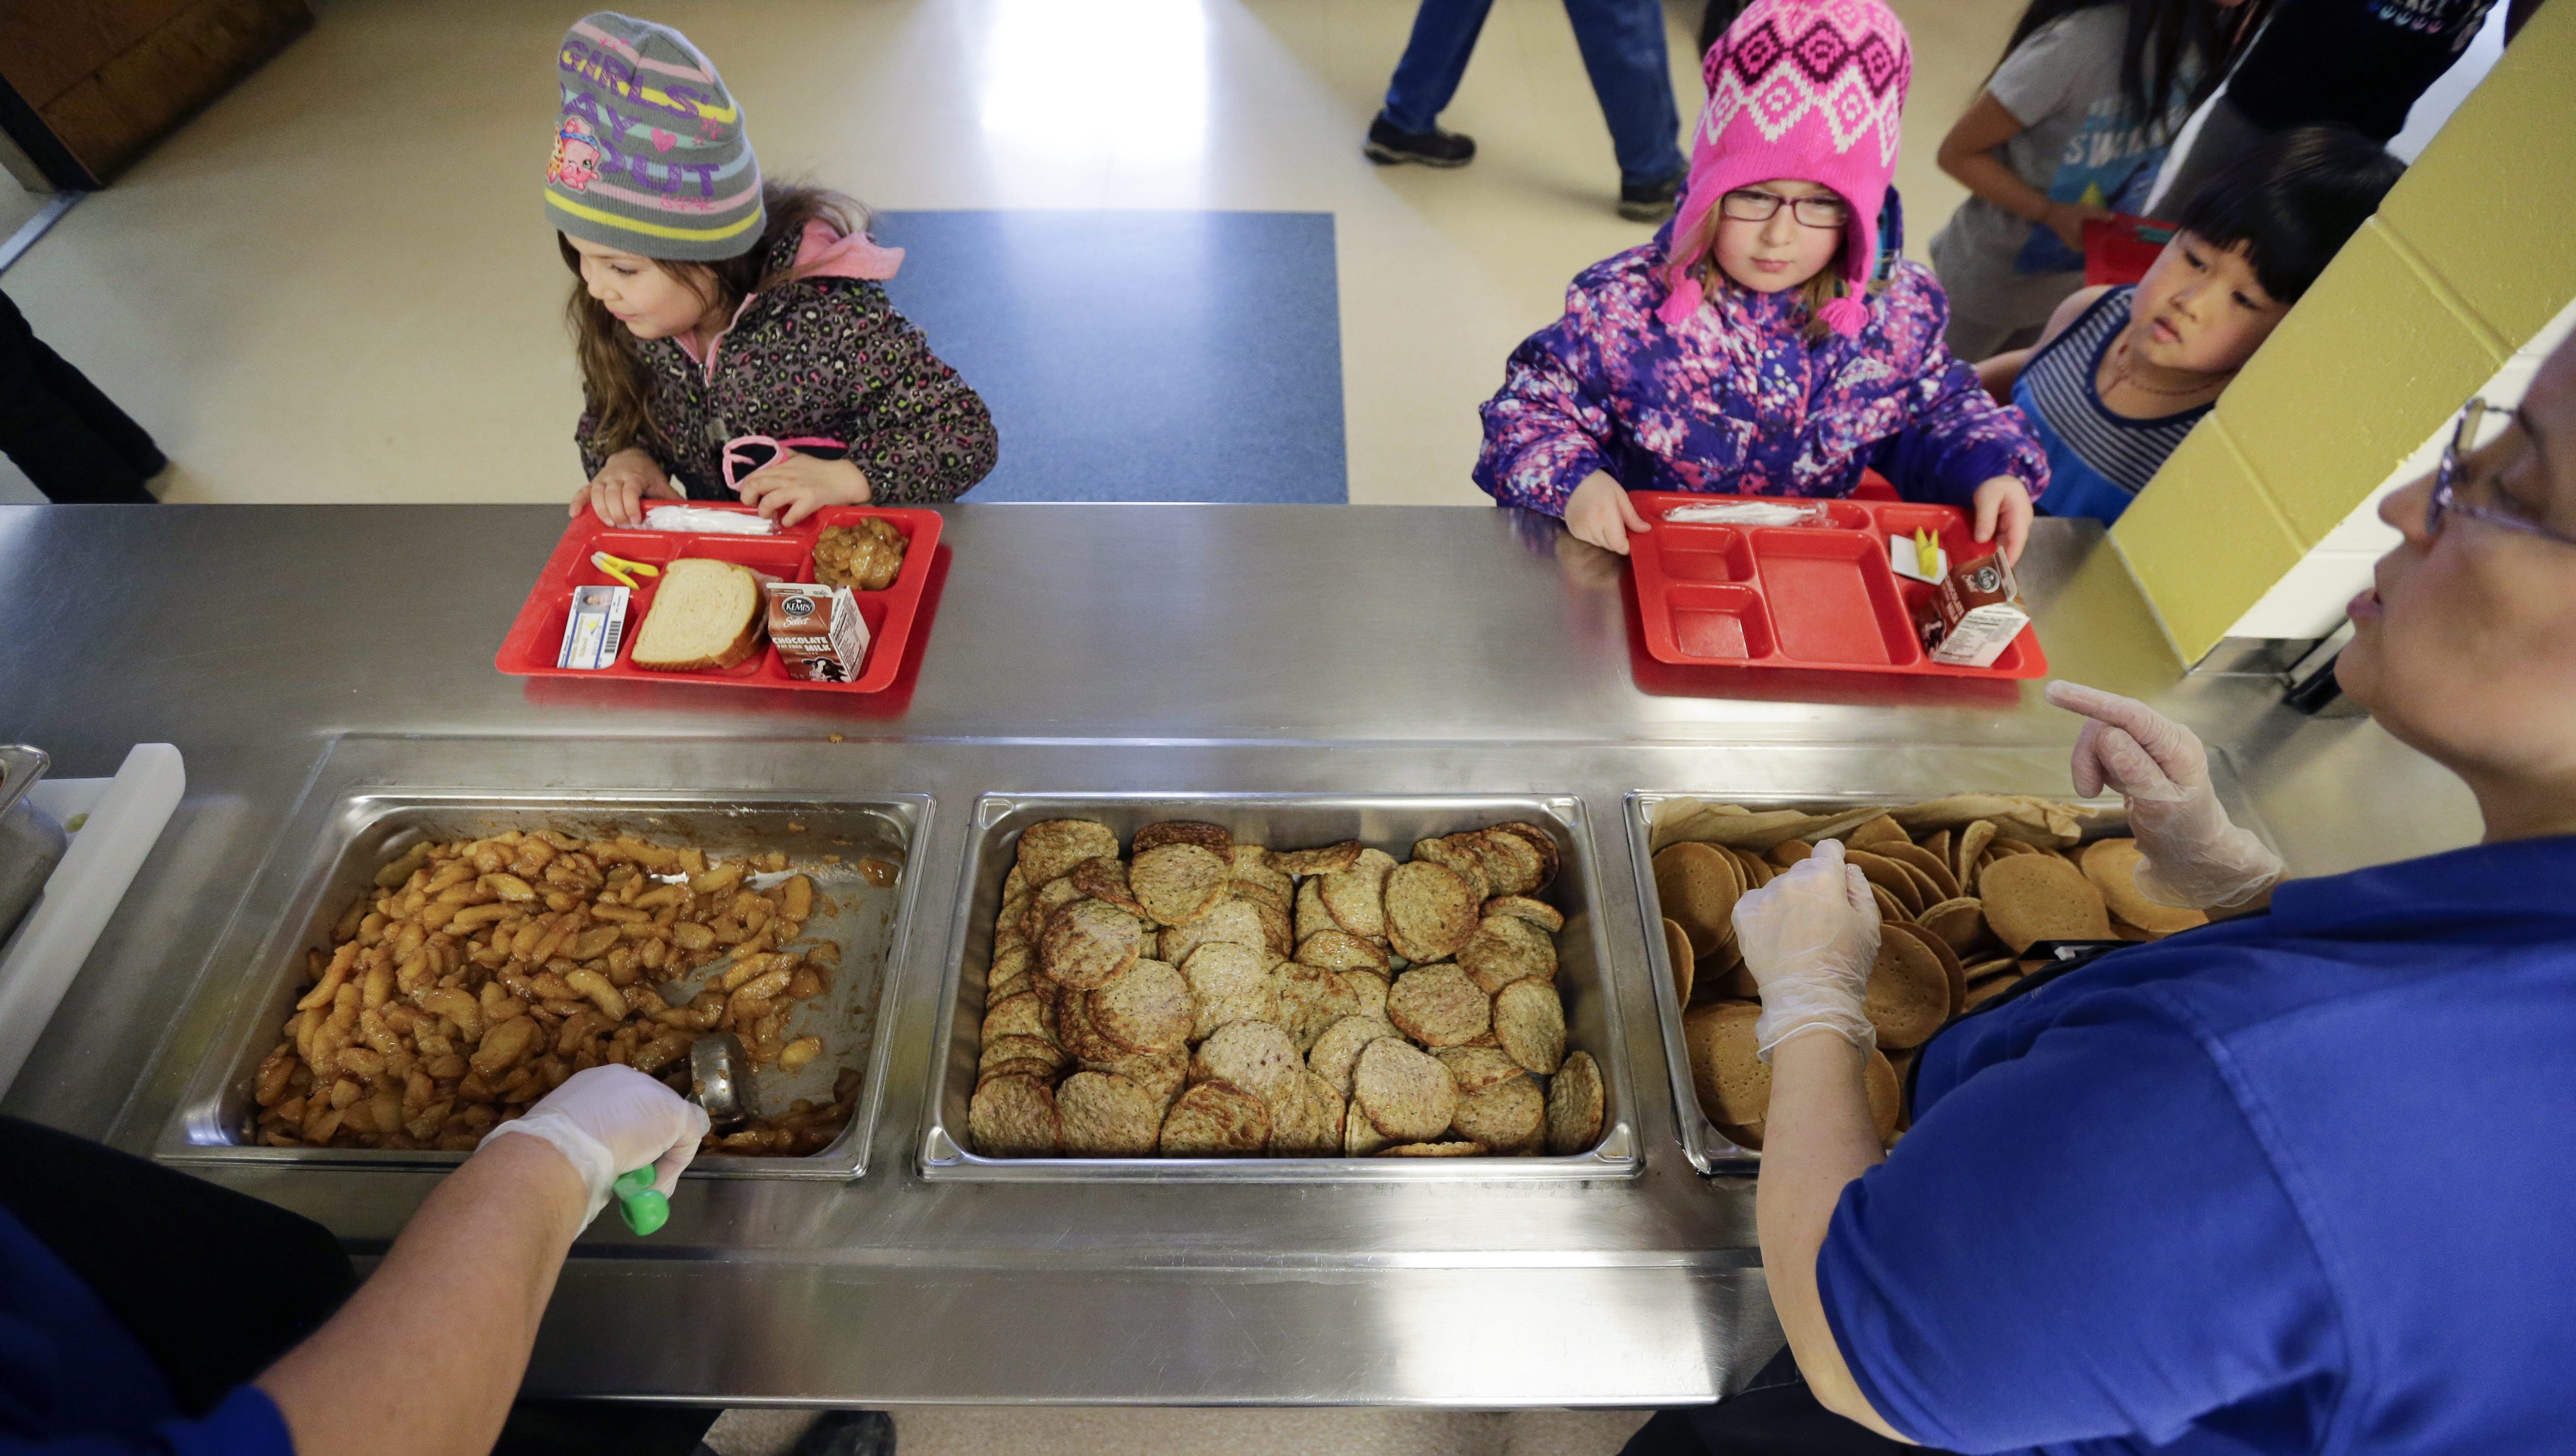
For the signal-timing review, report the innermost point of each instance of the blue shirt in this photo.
(2302, 1181)
(74, 1382)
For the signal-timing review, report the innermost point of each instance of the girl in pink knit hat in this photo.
(1758, 346)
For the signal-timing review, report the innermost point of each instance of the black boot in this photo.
(1433, 148)
(848, 1433)
(1651, 201)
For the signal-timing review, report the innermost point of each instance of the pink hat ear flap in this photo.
(1849, 314)
(1682, 302)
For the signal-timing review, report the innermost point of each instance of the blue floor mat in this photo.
(1138, 356)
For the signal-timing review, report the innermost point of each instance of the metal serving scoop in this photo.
(715, 1085)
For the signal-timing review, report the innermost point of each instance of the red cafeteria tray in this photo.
(1798, 596)
(2121, 248)
(536, 638)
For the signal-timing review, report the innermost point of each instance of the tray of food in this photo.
(1844, 586)
(1965, 884)
(704, 594)
(1279, 988)
(450, 957)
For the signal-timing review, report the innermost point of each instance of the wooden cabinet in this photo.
(90, 84)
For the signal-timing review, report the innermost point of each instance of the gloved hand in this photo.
(607, 1120)
(1810, 937)
(2194, 857)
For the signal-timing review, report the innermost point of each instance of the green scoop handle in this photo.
(643, 1208)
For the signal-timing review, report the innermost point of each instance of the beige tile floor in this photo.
(336, 284)
(17, 206)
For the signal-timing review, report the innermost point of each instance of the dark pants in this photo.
(215, 1285)
(1774, 1416)
(2225, 135)
(72, 441)
(1623, 50)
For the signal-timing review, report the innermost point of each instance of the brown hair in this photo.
(612, 374)
(1700, 251)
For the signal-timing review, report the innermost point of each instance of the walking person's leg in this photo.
(48, 436)
(1434, 61)
(1624, 52)
(132, 443)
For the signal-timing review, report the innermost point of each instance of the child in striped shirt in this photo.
(2123, 372)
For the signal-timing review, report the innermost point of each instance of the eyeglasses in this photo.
(1815, 212)
(2480, 424)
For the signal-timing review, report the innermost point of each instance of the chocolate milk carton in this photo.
(1972, 614)
(817, 630)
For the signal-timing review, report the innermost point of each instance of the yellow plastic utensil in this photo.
(1927, 554)
(624, 570)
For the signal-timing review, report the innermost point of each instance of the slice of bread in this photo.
(706, 616)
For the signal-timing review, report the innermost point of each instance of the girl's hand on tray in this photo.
(2067, 220)
(2003, 505)
(1600, 512)
(622, 486)
(606, 1120)
(1809, 938)
(796, 485)
(2196, 857)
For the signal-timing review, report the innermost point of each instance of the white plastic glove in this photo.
(2194, 857)
(610, 1120)
(1810, 937)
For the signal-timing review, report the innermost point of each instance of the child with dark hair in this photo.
(2073, 124)
(734, 335)
(2123, 373)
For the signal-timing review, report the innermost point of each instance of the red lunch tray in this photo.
(1816, 597)
(536, 638)
(2121, 248)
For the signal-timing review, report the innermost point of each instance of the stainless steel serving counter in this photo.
(1072, 650)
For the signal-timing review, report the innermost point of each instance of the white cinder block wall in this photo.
(2308, 603)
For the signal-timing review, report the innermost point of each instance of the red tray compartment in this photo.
(1812, 597)
(1838, 599)
(1706, 553)
(1720, 623)
(535, 639)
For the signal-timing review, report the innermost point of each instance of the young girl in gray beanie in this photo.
(735, 341)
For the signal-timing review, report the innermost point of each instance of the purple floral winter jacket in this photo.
(1736, 401)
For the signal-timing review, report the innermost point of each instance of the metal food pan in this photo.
(365, 829)
(1929, 773)
(1284, 821)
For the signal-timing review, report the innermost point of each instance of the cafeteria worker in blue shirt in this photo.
(2302, 1180)
(110, 1346)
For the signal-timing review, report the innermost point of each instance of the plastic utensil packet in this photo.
(700, 521)
(1752, 513)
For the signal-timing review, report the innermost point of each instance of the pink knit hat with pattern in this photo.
(1807, 90)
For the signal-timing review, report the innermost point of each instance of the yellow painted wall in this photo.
(2473, 251)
